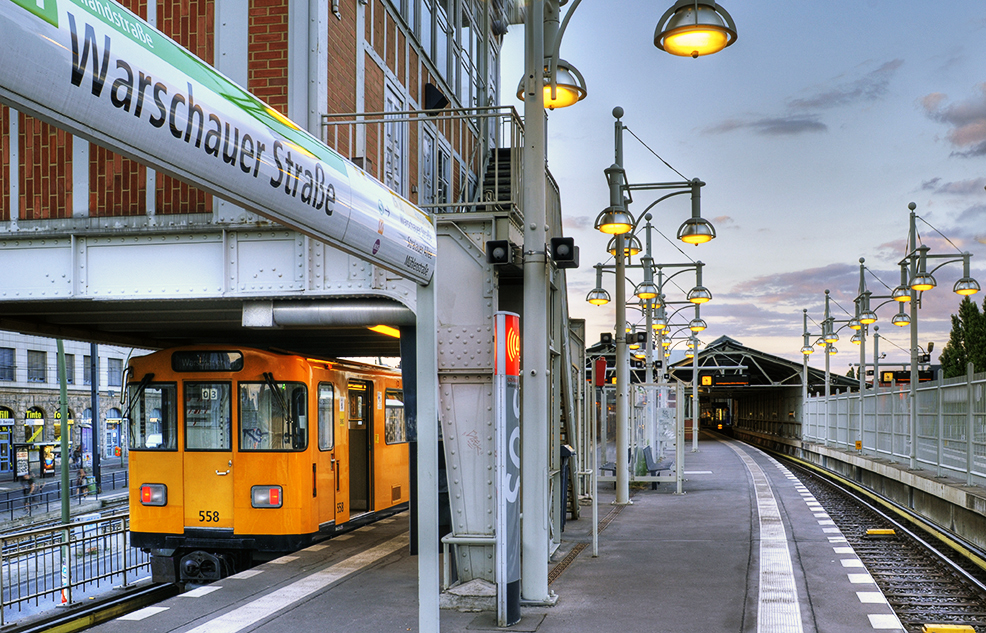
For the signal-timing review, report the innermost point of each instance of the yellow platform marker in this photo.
(882, 532)
(947, 628)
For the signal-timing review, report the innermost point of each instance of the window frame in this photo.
(229, 423)
(305, 430)
(174, 415)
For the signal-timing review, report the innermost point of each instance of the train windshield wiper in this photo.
(146, 380)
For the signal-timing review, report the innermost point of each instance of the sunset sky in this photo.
(813, 132)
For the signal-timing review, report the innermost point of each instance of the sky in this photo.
(812, 133)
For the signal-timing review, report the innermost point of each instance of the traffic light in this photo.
(564, 252)
(499, 252)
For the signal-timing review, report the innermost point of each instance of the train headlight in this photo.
(153, 494)
(266, 496)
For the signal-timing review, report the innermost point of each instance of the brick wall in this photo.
(268, 52)
(342, 70)
(117, 185)
(4, 164)
(45, 170)
(191, 23)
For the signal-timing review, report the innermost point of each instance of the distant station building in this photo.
(31, 422)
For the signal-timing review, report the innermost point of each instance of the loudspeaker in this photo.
(564, 252)
(499, 252)
(434, 99)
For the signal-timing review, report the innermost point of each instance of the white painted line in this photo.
(367, 528)
(871, 597)
(843, 550)
(860, 579)
(249, 573)
(852, 562)
(265, 606)
(826, 522)
(140, 614)
(885, 621)
(343, 537)
(778, 609)
(831, 530)
(283, 560)
(837, 539)
(198, 592)
(698, 472)
(316, 548)
(821, 515)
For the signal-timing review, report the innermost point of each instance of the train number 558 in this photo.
(208, 516)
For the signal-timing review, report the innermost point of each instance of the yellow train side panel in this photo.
(157, 467)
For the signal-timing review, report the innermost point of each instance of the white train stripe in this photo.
(269, 604)
(140, 614)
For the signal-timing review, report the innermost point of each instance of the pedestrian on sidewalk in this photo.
(28, 486)
(81, 483)
(77, 456)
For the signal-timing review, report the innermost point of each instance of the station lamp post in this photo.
(647, 291)
(914, 268)
(691, 27)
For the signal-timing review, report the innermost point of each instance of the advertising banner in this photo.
(506, 414)
(95, 69)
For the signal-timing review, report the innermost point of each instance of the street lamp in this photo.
(543, 34)
(693, 28)
(914, 269)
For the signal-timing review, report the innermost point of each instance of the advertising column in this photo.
(506, 415)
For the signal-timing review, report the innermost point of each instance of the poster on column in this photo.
(95, 69)
(506, 413)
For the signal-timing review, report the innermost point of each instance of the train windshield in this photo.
(273, 416)
(208, 416)
(153, 423)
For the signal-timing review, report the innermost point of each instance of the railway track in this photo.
(924, 581)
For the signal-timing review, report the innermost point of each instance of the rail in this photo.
(15, 504)
(48, 567)
(445, 161)
(951, 424)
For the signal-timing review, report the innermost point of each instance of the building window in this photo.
(6, 363)
(87, 370)
(70, 369)
(37, 366)
(114, 372)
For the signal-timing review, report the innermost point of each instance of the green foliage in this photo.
(967, 341)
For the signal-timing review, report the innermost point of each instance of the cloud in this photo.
(579, 222)
(870, 87)
(772, 126)
(724, 222)
(799, 118)
(966, 120)
(973, 186)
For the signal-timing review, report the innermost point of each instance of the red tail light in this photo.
(266, 496)
(154, 494)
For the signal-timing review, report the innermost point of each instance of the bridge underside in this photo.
(161, 323)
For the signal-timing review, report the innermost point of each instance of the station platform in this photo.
(746, 548)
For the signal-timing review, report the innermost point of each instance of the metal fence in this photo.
(48, 498)
(43, 568)
(951, 424)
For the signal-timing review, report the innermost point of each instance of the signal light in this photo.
(266, 496)
(564, 252)
(499, 252)
(153, 494)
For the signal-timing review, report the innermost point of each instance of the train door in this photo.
(360, 455)
(326, 465)
(208, 456)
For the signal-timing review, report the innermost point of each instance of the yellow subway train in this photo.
(238, 454)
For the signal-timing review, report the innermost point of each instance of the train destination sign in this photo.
(95, 69)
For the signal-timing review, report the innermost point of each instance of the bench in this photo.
(653, 468)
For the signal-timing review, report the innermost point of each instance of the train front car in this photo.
(240, 454)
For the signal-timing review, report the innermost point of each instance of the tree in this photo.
(966, 342)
